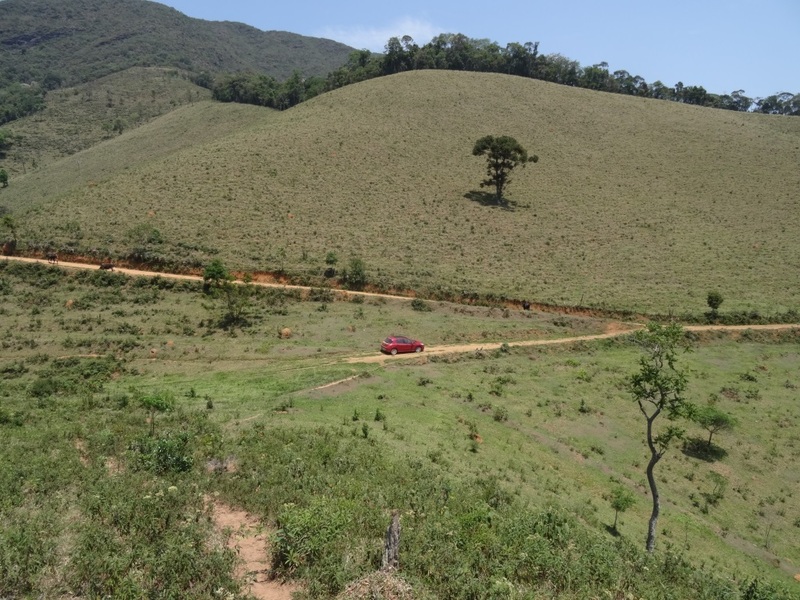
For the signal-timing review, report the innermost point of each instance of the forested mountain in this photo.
(63, 42)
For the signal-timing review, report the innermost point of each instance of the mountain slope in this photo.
(81, 40)
(78, 117)
(635, 203)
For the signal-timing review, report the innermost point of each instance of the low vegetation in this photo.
(125, 406)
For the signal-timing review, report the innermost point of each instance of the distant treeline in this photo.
(457, 52)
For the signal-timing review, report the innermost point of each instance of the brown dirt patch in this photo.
(335, 388)
(113, 466)
(83, 454)
(250, 540)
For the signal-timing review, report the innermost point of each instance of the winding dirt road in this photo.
(437, 350)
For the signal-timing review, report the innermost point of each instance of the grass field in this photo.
(501, 434)
(635, 204)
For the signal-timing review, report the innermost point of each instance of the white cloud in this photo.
(375, 38)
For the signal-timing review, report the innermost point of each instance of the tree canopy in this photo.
(457, 52)
(713, 420)
(503, 154)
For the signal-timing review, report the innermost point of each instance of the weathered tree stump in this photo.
(391, 547)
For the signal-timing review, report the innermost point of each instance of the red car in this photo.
(398, 343)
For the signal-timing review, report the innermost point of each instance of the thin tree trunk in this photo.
(651, 528)
(651, 480)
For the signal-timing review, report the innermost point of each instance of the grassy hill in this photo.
(82, 40)
(635, 204)
(79, 117)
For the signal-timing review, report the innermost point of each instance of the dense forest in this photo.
(457, 52)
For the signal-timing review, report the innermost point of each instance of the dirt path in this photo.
(615, 329)
(249, 540)
(617, 332)
(139, 273)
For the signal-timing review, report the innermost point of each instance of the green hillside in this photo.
(79, 117)
(635, 204)
(82, 40)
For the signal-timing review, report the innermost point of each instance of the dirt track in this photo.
(438, 350)
(138, 273)
(462, 348)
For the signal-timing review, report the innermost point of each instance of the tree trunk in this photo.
(651, 528)
(391, 547)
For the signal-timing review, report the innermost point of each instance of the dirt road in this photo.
(138, 273)
(437, 350)
(463, 348)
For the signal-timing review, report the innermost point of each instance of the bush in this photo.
(714, 300)
(420, 305)
(354, 277)
(500, 413)
(169, 453)
(320, 295)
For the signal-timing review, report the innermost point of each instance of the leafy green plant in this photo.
(158, 402)
(621, 500)
(170, 452)
(354, 277)
(500, 414)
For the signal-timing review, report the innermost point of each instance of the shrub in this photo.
(320, 295)
(500, 413)
(169, 453)
(420, 305)
(354, 277)
(714, 300)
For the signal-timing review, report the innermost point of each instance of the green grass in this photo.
(635, 204)
(79, 117)
(471, 448)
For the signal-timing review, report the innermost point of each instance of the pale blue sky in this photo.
(722, 45)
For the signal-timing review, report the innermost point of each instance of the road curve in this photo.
(463, 348)
(436, 350)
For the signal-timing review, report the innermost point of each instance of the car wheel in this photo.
(394, 351)
(418, 349)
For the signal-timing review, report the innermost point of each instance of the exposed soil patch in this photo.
(83, 455)
(335, 388)
(250, 540)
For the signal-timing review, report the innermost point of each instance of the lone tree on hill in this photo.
(502, 153)
(658, 388)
